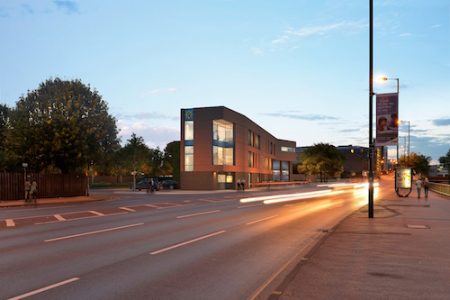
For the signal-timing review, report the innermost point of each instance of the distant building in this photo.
(220, 146)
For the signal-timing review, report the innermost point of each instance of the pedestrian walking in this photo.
(243, 184)
(419, 184)
(238, 184)
(33, 191)
(426, 186)
(27, 190)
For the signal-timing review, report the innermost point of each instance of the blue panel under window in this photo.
(223, 144)
(189, 143)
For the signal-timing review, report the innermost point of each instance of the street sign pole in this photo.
(371, 145)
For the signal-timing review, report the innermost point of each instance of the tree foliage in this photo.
(445, 160)
(172, 159)
(323, 160)
(62, 125)
(419, 162)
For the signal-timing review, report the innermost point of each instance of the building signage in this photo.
(387, 119)
(403, 178)
(189, 115)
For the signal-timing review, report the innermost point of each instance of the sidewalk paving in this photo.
(60, 200)
(403, 253)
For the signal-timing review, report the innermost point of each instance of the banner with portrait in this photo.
(387, 119)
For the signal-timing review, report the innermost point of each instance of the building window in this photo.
(188, 158)
(257, 141)
(284, 171)
(223, 143)
(224, 178)
(287, 149)
(251, 159)
(276, 173)
(189, 130)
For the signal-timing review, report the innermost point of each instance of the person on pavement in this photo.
(426, 186)
(419, 184)
(27, 190)
(33, 190)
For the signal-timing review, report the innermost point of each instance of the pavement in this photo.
(402, 253)
(54, 201)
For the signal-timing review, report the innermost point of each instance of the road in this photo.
(163, 246)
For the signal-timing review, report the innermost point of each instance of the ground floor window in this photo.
(224, 178)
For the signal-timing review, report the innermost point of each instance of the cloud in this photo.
(441, 122)
(319, 30)
(300, 116)
(156, 92)
(348, 130)
(68, 6)
(154, 136)
(146, 116)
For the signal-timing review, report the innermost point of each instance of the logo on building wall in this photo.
(189, 115)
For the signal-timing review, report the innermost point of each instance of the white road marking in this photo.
(92, 232)
(151, 205)
(260, 220)
(10, 223)
(198, 214)
(38, 291)
(127, 209)
(96, 213)
(187, 242)
(81, 218)
(59, 217)
(250, 205)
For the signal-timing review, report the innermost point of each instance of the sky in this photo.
(297, 68)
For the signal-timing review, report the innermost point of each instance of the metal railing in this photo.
(441, 188)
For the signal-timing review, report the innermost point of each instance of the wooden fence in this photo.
(12, 185)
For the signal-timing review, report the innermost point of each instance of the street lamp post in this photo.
(371, 145)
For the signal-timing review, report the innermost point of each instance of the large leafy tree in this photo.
(62, 126)
(323, 160)
(419, 162)
(445, 160)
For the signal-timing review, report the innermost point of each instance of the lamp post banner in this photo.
(387, 119)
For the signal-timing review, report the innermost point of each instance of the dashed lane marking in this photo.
(80, 218)
(198, 214)
(261, 220)
(96, 213)
(59, 217)
(38, 291)
(187, 242)
(92, 232)
(127, 209)
(10, 223)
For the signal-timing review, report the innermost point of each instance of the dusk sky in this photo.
(297, 68)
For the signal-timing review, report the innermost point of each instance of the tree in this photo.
(4, 113)
(62, 125)
(445, 160)
(322, 159)
(172, 159)
(419, 162)
(134, 156)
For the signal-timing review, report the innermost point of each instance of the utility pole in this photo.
(371, 145)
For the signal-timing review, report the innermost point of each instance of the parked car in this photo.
(143, 183)
(169, 184)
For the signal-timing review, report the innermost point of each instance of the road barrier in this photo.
(440, 188)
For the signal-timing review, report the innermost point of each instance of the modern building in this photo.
(220, 146)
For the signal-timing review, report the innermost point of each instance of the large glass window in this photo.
(251, 159)
(287, 149)
(223, 143)
(188, 158)
(188, 130)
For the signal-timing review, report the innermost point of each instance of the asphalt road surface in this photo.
(163, 246)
